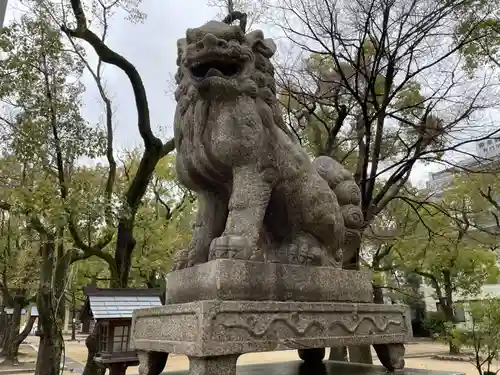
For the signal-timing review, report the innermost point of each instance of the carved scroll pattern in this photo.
(261, 326)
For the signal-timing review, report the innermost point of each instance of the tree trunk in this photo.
(454, 349)
(51, 309)
(27, 329)
(48, 361)
(73, 317)
(6, 331)
(10, 349)
(446, 306)
(13, 348)
(86, 326)
(125, 243)
(91, 367)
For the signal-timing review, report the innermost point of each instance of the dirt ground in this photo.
(27, 360)
(418, 355)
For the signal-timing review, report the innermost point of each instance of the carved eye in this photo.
(237, 33)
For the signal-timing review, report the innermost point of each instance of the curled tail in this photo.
(348, 194)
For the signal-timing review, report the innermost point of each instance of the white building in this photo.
(462, 315)
(3, 8)
(487, 151)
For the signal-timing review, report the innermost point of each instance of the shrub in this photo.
(435, 324)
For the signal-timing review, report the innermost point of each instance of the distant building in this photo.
(462, 314)
(489, 148)
(3, 9)
(487, 151)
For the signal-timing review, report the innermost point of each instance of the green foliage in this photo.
(435, 324)
(441, 329)
(85, 273)
(479, 21)
(448, 256)
(482, 333)
(322, 96)
(46, 134)
(19, 260)
(481, 192)
(163, 224)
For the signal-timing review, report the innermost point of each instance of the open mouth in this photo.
(224, 69)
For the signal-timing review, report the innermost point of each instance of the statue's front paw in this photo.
(231, 247)
(187, 258)
(310, 256)
(196, 257)
(180, 260)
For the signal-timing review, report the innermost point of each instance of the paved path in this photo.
(73, 366)
(70, 365)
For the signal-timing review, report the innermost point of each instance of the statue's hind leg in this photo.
(209, 223)
(247, 207)
(322, 217)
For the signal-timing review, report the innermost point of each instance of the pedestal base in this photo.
(216, 330)
(325, 368)
(238, 280)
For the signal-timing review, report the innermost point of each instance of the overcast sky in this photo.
(151, 47)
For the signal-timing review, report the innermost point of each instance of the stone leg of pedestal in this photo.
(391, 356)
(151, 363)
(312, 355)
(220, 365)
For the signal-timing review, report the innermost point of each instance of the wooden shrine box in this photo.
(112, 310)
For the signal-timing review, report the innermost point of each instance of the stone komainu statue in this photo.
(260, 196)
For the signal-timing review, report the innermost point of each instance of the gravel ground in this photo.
(418, 355)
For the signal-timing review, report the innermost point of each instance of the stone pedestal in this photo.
(236, 280)
(231, 307)
(325, 368)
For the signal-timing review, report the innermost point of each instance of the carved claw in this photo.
(231, 247)
(194, 258)
(186, 258)
(310, 256)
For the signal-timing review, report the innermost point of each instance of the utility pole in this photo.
(3, 8)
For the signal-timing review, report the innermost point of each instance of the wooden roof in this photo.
(33, 310)
(118, 303)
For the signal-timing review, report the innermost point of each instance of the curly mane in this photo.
(262, 76)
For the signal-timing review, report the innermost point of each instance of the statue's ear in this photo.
(270, 45)
(181, 47)
(256, 40)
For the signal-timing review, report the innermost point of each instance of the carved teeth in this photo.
(212, 72)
